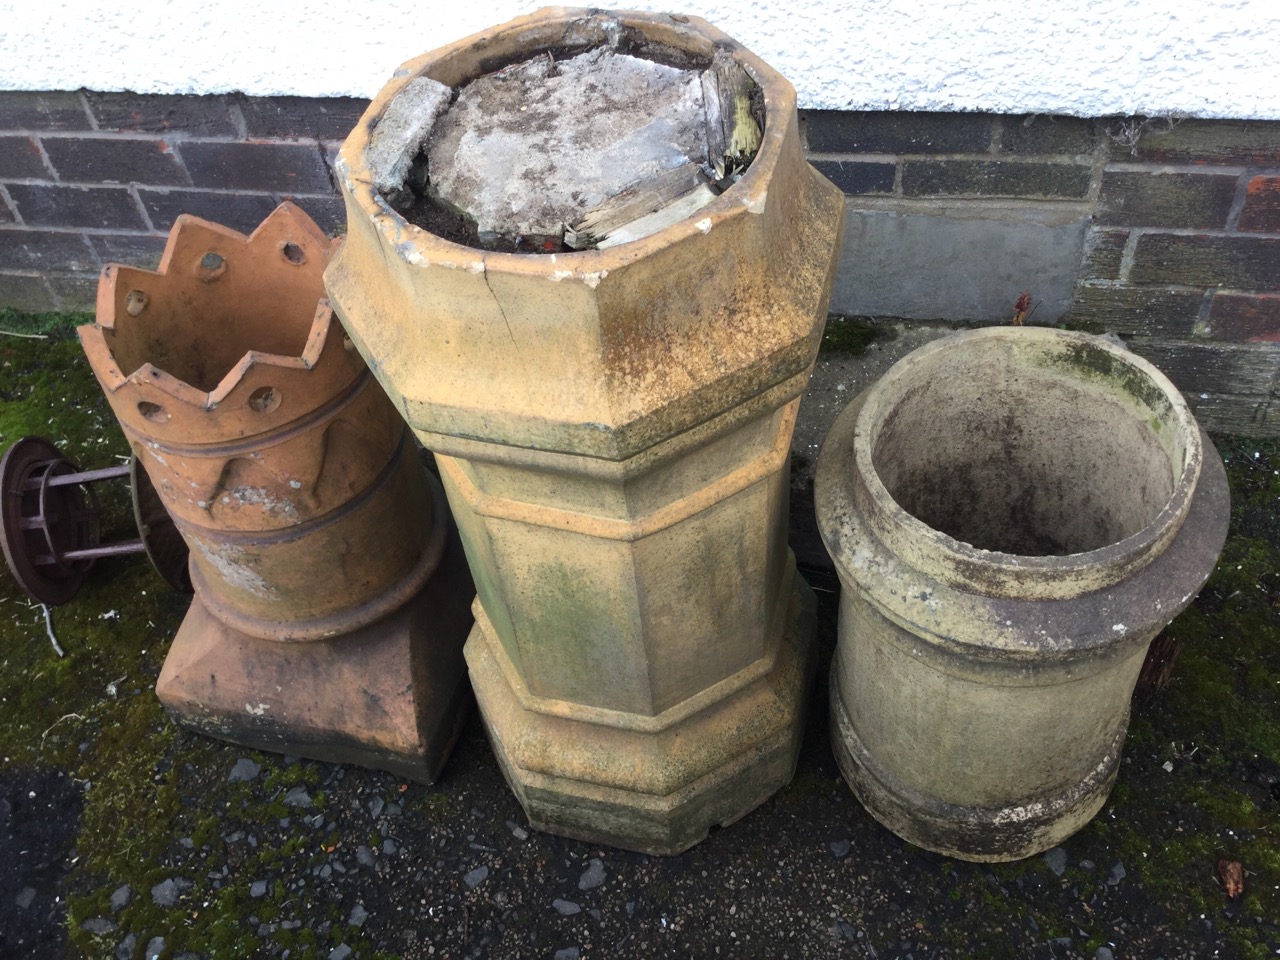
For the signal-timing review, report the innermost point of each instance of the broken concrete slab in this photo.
(534, 146)
(402, 132)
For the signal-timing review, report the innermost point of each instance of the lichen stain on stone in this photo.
(234, 568)
(281, 509)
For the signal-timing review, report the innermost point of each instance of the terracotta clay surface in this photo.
(612, 427)
(1014, 514)
(294, 482)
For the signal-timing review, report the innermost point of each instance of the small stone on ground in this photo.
(297, 797)
(593, 876)
(165, 893)
(1056, 860)
(243, 771)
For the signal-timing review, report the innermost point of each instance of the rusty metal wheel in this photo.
(164, 545)
(46, 523)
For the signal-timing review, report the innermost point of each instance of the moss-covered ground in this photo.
(100, 790)
(850, 335)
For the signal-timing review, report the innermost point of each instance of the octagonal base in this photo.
(651, 784)
(391, 696)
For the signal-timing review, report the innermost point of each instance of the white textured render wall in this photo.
(1207, 58)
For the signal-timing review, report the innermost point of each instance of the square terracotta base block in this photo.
(651, 784)
(392, 695)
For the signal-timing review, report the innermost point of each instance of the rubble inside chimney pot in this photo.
(552, 154)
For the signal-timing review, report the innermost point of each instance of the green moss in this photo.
(1082, 325)
(1218, 715)
(850, 336)
(432, 805)
(39, 324)
(1089, 359)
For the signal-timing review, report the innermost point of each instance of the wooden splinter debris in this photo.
(642, 210)
(733, 136)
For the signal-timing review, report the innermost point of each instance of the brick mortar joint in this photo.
(1238, 202)
(81, 231)
(88, 109)
(1099, 162)
(165, 188)
(47, 160)
(12, 207)
(996, 141)
(1043, 159)
(1210, 232)
(122, 136)
(1163, 169)
(173, 137)
(1099, 283)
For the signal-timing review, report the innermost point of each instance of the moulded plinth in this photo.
(391, 695)
(1014, 514)
(654, 784)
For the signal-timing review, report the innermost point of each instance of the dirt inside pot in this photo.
(569, 149)
(1025, 459)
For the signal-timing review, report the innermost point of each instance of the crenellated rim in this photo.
(228, 325)
(525, 37)
(1135, 511)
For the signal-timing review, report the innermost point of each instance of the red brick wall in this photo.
(91, 178)
(1182, 256)
(1184, 259)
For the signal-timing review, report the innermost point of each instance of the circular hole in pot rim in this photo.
(153, 411)
(135, 302)
(294, 253)
(212, 266)
(264, 399)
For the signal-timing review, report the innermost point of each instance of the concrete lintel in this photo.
(935, 265)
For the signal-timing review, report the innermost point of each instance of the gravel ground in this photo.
(371, 867)
(123, 836)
